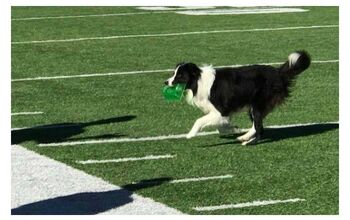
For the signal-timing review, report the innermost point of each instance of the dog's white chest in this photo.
(202, 103)
(201, 99)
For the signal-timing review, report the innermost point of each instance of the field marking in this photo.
(40, 185)
(192, 179)
(165, 8)
(142, 72)
(175, 34)
(155, 10)
(247, 204)
(241, 11)
(196, 179)
(157, 138)
(26, 113)
(87, 16)
(127, 159)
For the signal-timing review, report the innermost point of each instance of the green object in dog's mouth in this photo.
(174, 93)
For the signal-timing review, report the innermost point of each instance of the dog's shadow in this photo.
(276, 134)
(64, 131)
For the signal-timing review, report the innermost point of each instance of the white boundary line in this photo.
(127, 159)
(142, 72)
(158, 138)
(36, 178)
(247, 204)
(26, 113)
(176, 34)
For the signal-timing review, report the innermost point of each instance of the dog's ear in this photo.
(179, 64)
(193, 69)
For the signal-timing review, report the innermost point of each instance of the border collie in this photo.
(220, 92)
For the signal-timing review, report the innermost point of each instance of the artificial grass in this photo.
(288, 163)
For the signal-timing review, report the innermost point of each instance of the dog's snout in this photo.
(166, 82)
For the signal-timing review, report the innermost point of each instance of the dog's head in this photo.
(186, 73)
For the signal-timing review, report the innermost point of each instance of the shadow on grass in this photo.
(61, 132)
(276, 134)
(87, 203)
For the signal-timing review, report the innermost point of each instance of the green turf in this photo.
(288, 163)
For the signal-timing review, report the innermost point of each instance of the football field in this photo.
(87, 91)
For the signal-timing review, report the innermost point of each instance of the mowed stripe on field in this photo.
(247, 204)
(159, 138)
(176, 34)
(143, 71)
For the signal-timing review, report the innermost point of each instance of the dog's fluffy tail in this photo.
(297, 63)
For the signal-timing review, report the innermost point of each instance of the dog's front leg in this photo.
(209, 119)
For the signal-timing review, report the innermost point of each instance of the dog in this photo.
(220, 92)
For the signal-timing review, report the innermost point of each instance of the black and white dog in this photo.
(219, 92)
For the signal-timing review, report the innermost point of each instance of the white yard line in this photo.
(127, 159)
(247, 204)
(175, 34)
(193, 179)
(196, 179)
(157, 138)
(141, 72)
(40, 185)
(88, 16)
(26, 113)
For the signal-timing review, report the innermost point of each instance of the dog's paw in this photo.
(250, 142)
(190, 135)
(243, 138)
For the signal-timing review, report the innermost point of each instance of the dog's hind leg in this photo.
(227, 129)
(213, 118)
(254, 134)
(251, 132)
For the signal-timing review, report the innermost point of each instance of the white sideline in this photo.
(175, 34)
(26, 113)
(36, 178)
(247, 204)
(87, 16)
(143, 71)
(127, 159)
(158, 138)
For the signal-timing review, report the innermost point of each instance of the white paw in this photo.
(250, 142)
(243, 138)
(237, 130)
(190, 135)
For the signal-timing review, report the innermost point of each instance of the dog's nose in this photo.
(166, 82)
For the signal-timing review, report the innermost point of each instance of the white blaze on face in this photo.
(171, 79)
